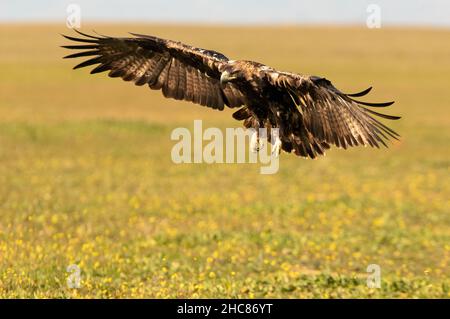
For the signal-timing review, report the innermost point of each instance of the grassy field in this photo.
(86, 177)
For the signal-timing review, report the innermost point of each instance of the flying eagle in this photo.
(310, 113)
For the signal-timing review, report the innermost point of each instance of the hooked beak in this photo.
(225, 77)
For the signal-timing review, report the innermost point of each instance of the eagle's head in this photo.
(239, 71)
(233, 71)
(226, 77)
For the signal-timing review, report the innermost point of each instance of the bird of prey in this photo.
(309, 112)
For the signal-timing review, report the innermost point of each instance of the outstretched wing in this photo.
(330, 116)
(182, 72)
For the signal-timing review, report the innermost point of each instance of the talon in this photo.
(276, 143)
(257, 142)
(276, 149)
(262, 140)
(254, 142)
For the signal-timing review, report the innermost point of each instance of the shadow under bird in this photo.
(310, 113)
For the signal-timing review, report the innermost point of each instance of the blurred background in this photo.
(86, 177)
(402, 12)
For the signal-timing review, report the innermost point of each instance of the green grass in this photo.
(86, 178)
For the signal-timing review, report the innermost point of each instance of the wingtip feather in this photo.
(362, 93)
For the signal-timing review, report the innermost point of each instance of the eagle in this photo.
(310, 114)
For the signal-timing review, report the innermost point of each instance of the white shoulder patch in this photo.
(274, 76)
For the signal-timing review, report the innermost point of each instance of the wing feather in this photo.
(330, 116)
(182, 72)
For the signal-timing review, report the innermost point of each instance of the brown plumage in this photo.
(309, 111)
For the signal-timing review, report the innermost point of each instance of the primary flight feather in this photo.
(310, 113)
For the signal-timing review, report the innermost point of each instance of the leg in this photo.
(276, 142)
(258, 138)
